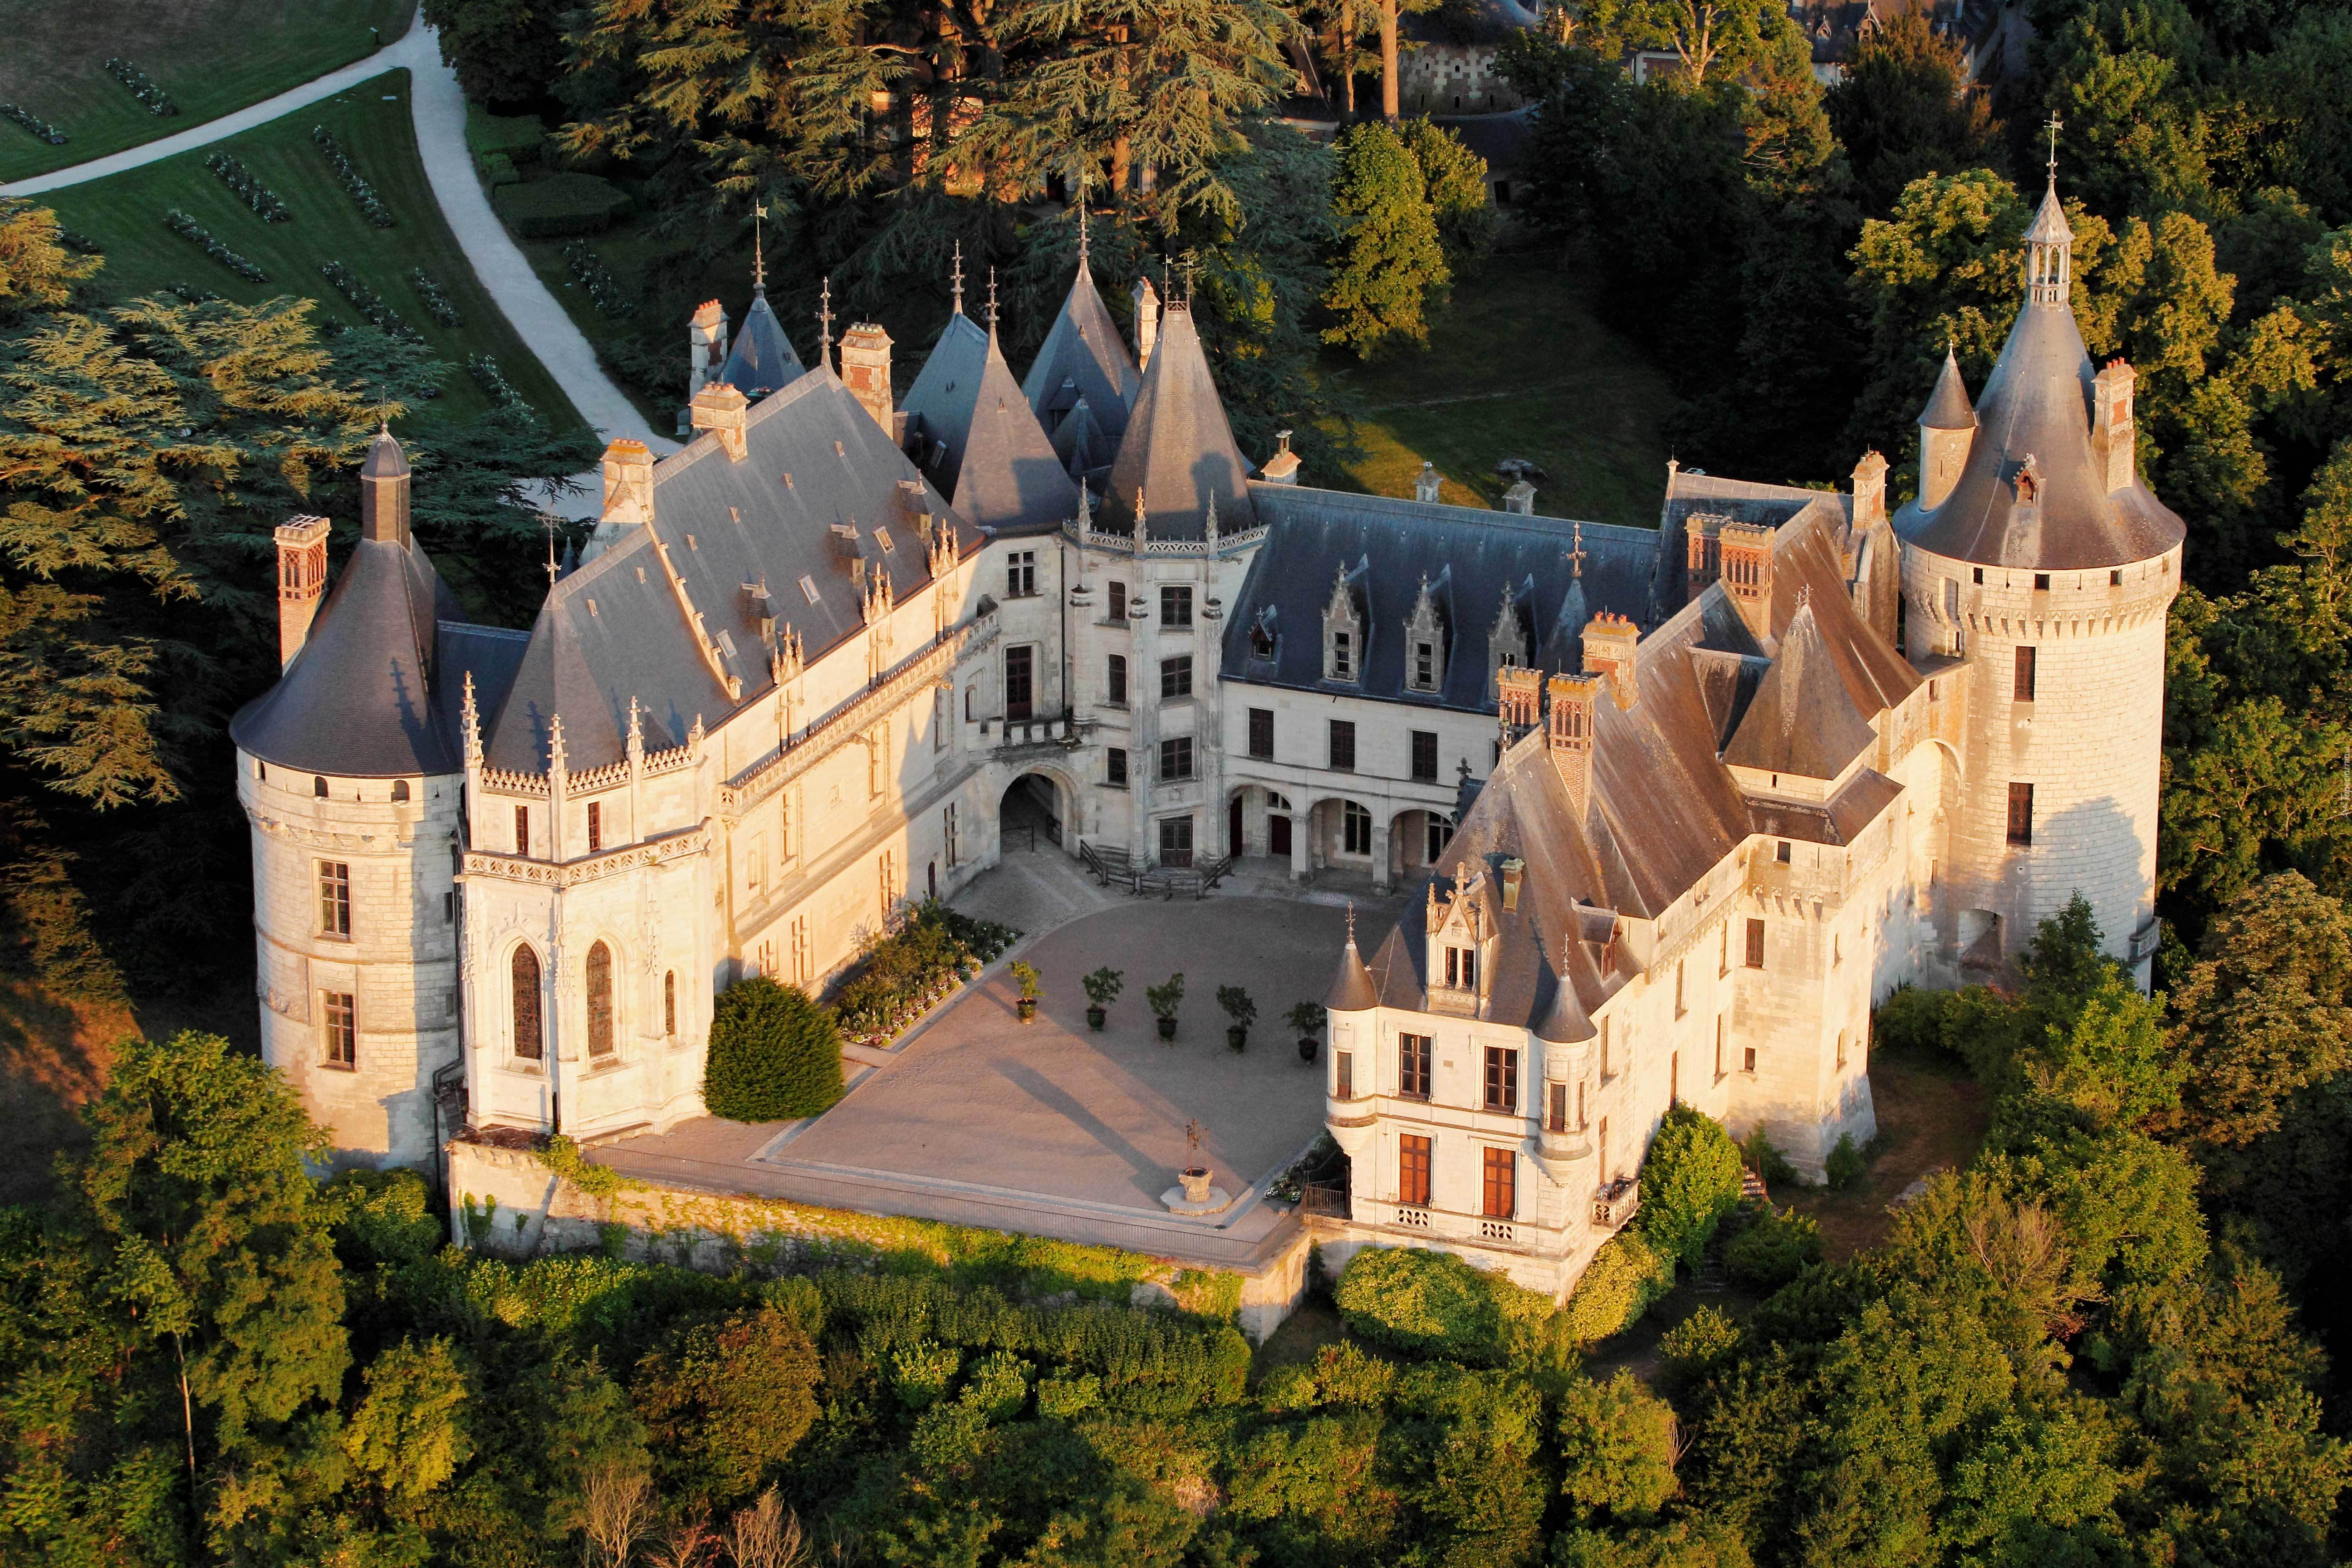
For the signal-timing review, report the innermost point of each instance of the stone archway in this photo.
(1037, 808)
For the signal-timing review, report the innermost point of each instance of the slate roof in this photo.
(1802, 719)
(614, 629)
(980, 441)
(1083, 357)
(1948, 405)
(1690, 494)
(1469, 557)
(1178, 448)
(2037, 404)
(763, 360)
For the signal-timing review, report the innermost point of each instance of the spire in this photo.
(383, 489)
(991, 301)
(958, 278)
(759, 261)
(2050, 243)
(1082, 224)
(824, 325)
(1352, 988)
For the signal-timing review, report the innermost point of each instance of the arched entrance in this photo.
(1034, 810)
(1417, 838)
(1257, 822)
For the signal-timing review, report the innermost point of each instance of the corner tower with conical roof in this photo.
(2038, 569)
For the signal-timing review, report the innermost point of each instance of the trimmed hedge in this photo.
(774, 1054)
(560, 206)
(1690, 1179)
(1434, 1303)
(517, 136)
(1626, 1277)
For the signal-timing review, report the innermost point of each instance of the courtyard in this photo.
(1049, 1127)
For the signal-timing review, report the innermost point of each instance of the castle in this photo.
(1674, 806)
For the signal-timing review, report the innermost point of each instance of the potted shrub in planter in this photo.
(1194, 1177)
(1103, 987)
(1026, 978)
(1242, 1010)
(1306, 1021)
(1164, 1000)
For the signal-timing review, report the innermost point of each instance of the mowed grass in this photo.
(625, 248)
(211, 56)
(125, 216)
(1517, 366)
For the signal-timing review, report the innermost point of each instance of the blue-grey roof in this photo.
(980, 441)
(614, 629)
(763, 360)
(1178, 449)
(1948, 405)
(1690, 494)
(1469, 557)
(1083, 357)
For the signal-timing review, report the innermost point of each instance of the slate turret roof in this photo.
(1083, 357)
(1178, 449)
(980, 442)
(1948, 405)
(763, 360)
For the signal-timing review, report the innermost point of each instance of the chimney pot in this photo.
(1747, 555)
(723, 410)
(865, 371)
(301, 579)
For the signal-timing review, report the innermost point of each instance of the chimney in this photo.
(706, 345)
(1146, 321)
(1569, 736)
(1518, 700)
(1521, 499)
(1869, 491)
(1425, 484)
(628, 482)
(1609, 649)
(1747, 574)
(722, 410)
(1703, 552)
(1282, 468)
(301, 579)
(865, 371)
(2112, 442)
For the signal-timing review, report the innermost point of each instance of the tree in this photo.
(727, 1401)
(1903, 110)
(505, 53)
(774, 1054)
(1455, 179)
(2267, 1011)
(408, 1435)
(1617, 1448)
(1388, 260)
(1690, 1179)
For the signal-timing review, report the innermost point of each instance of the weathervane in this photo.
(1082, 218)
(758, 261)
(2054, 128)
(824, 325)
(1351, 922)
(547, 522)
(959, 276)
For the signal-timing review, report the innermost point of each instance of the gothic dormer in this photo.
(1460, 942)
(1343, 626)
(1509, 647)
(1425, 635)
(1264, 635)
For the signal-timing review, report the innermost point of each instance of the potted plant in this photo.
(1194, 1177)
(1242, 1010)
(1305, 1020)
(1103, 987)
(1024, 976)
(1164, 1000)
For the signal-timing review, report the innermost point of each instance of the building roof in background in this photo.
(1178, 449)
(763, 360)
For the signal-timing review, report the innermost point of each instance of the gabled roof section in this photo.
(1802, 719)
(1008, 478)
(1084, 447)
(763, 360)
(1178, 449)
(1083, 357)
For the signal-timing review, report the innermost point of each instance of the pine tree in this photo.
(1389, 258)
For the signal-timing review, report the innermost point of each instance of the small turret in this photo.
(383, 491)
(1946, 426)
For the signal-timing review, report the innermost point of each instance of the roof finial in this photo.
(959, 276)
(1576, 555)
(991, 298)
(824, 325)
(2054, 127)
(1082, 218)
(758, 261)
(547, 522)
(1351, 922)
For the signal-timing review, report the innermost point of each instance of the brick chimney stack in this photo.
(722, 409)
(1869, 491)
(1518, 700)
(1746, 554)
(628, 482)
(301, 579)
(2112, 442)
(706, 345)
(865, 371)
(1609, 642)
(1569, 735)
(1702, 558)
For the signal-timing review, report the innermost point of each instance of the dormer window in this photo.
(1507, 642)
(1260, 635)
(1343, 633)
(1343, 655)
(1462, 968)
(1424, 633)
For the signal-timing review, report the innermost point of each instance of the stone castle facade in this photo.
(1673, 807)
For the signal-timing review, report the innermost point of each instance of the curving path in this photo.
(439, 107)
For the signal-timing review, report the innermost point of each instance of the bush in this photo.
(1690, 1179)
(520, 137)
(726, 1402)
(1774, 1250)
(1765, 1155)
(560, 206)
(1617, 1450)
(774, 1054)
(1434, 1303)
(921, 1371)
(1910, 1019)
(384, 1218)
(1845, 1164)
(498, 169)
(1624, 1277)
(1694, 1348)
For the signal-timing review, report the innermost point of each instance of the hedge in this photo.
(560, 206)
(1434, 1303)
(774, 1054)
(1625, 1277)
(517, 136)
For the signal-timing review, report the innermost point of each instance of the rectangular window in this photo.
(1462, 968)
(1441, 830)
(1175, 605)
(334, 899)
(522, 831)
(1841, 1048)
(1604, 1151)
(1425, 756)
(339, 1031)
(1176, 757)
(1343, 1066)
(1674, 1078)
(1021, 575)
(1176, 678)
(1501, 1190)
(1261, 732)
(1718, 1045)
(2022, 686)
(1424, 665)
(1502, 1079)
(1413, 1066)
(1114, 682)
(1119, 601)
(2041, 582)
(1343, 665)
(1116, 773)
(1413, 1169)
(2021, 814)
(1556, 1113)
(1781, 852)
(1356, 829)
(1748, 1059)
(1755, 943)
(595, 827)
(1678, 988)
(1723, 957)
(1175, 841)
(1605, 1073)
(1020, 665)
(1343, 746)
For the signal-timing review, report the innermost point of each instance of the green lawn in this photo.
(211, 56)
(125, 216)
(625, 248)
(1517, 366)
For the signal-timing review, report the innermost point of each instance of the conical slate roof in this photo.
(2050, 225)
(1565, 1023)
(1084, 358)
(1948, 407)
(1352, 988)
(1084, 449)
(981, 443)
(1802, 719)
(1179, 450)
(763, 360)
(384, 459)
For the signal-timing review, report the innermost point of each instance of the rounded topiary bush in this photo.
(1690, 1179)
(774, 1054)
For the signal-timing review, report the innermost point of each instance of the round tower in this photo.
(352, 793)
(2037, 572)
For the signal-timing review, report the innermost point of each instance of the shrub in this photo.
(921, 1371)
(189, 230)
(366, 301)
(1624, 1277)
(1766, 1157)
(1910, 1019)
(142, 87)
(1694, 1348)
(1065, 1397)
(1343, 1373)
(1616, 1450)
(1104, 986)
(559, 206)
(726, 1402)
(436, 303)
(774, 1054)
(999, 1386)
(498, 169)
(517, 136)
(33, 123)
(1166, 998)
(1845, 1164)
(1774, 1250)
(362, 195)
(1239, 1006)
(605, 290)
(1434, 1303)
(1690, 1179)
(384, 1218)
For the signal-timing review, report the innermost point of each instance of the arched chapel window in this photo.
(600, 1001)
(530, 1039)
